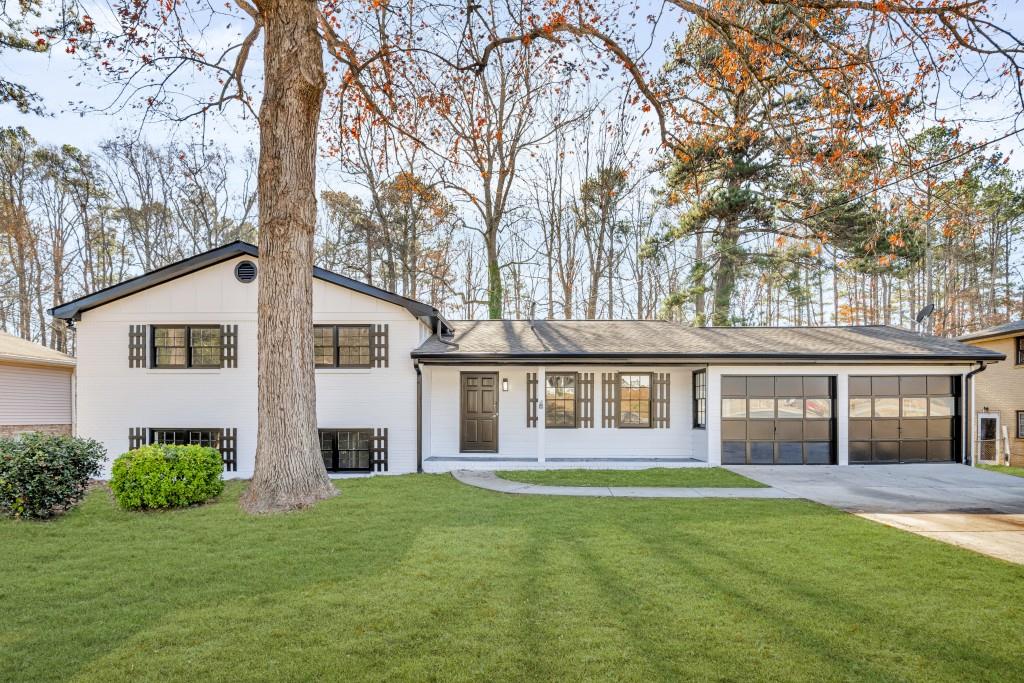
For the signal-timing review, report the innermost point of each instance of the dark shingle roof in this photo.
(997, 331)
(650, 339)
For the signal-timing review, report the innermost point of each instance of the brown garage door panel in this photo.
(783, 420)
(907, 418)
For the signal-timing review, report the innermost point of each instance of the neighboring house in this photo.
(170, 356)
(36, 388)
(999, 394)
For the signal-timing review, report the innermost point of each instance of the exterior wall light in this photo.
(504, 383)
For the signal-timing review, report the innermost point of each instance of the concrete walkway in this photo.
(492, 482)
(999, 536)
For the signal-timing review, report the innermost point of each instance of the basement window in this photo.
(346, 450)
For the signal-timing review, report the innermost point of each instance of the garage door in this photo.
(778, 420)
(903, 419)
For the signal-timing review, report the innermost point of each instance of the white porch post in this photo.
(541, 383)
(842, 418)
(713, 430)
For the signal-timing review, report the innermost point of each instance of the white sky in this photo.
(66, 86)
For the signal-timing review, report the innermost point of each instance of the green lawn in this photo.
(1003, 469)
(688, 477)
(421, 578)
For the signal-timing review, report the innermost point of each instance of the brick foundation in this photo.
(58, 430)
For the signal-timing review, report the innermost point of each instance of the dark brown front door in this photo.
(479, 413)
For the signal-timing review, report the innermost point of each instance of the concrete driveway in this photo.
(896, 488)
(975, 509)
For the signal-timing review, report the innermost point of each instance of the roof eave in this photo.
(35, 360)
(73, 310)
(858, 357)
(974, 339)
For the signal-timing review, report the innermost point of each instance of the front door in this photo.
(479, 413)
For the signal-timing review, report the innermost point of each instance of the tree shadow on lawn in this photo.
(421, 578)
(815, 612)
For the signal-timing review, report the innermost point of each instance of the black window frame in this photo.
(575, 400)
(216, 436)
(1020, 351)
(1020, 424)
(336, 350)
(189, 363)
(699, 386)
(335, 452)
(650, 400)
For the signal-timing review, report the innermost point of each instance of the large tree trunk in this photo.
(289, 470)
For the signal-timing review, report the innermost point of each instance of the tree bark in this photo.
(495, 288)
(289, 471)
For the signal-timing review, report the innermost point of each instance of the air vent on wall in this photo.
(245, 271)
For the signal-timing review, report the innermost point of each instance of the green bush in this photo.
(42, 475)
(156, 477)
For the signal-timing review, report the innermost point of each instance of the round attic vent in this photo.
(245, 271)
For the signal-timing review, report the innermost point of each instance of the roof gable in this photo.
(72, 310)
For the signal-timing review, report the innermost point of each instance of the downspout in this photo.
(970, 411)
(419, 416)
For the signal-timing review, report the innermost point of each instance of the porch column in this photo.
(713, 429)
(541, 383)
(842, 418)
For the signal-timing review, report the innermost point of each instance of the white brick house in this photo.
(171, 356)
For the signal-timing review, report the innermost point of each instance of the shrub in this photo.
(156, 477)
(42, 475)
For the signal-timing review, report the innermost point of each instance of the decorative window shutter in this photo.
(379, 346)
(660, 399)
(586, 399)
(136, 346)
(531, 399)
(608, 399)
(229, 448)
(229, 346)
(379, 450)
(136, 437)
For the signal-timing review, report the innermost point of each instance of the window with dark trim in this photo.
(186, 437)
(346, 450)
(700, 399)
(187, 346)
(634, 400)
(560, 400)
(1020, 350)
(1020, 424)
(342, 346)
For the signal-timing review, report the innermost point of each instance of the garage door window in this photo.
(860, 407)
(818, 408)
(762, 408)
(734, 407)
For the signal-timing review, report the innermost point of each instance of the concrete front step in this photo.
(492, 462)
